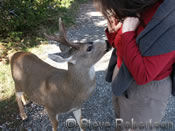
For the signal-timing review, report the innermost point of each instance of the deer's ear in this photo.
(60, 58)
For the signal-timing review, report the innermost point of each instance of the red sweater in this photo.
(144, 69)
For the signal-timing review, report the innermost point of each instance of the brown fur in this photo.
(57, 90)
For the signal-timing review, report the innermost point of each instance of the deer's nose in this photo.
(90, 43)
(108, 46)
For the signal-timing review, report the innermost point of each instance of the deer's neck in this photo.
(82, 74)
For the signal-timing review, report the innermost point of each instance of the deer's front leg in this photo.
(77, 115)
(53, 119)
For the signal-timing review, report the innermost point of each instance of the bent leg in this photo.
(20, 105)
(24, 100)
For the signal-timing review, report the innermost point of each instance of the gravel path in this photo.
(89, 26)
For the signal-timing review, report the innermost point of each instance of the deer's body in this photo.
(54, 86)
(56, 89)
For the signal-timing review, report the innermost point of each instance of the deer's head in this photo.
(77, 53)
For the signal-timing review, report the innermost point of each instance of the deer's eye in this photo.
(89, 48)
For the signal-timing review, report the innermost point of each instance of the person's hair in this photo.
(123, 8)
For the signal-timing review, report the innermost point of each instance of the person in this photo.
(141, 67)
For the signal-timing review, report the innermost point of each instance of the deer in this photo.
(58, 90)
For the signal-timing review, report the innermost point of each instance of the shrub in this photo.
(22, 22)
(27, 15)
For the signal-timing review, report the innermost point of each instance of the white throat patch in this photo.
(92, 73)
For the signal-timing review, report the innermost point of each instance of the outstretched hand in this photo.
(130, 24)
(113, 25)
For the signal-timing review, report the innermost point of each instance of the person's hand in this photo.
(113, 24)
(130, 24)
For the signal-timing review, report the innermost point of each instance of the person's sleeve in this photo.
(110, 37)
(143, 69)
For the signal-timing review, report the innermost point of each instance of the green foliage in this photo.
(22, 22)
(28, 15)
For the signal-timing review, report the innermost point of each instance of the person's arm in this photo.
(112, 29)
(143, 69)
(110, 37)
